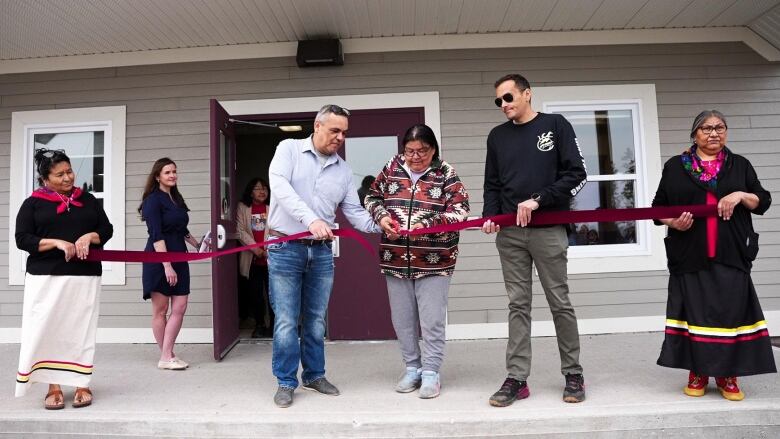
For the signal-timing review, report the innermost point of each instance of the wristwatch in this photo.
(536, 196)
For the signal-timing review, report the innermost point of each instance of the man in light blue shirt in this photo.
(308, 181)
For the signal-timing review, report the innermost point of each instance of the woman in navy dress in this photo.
(167, 284)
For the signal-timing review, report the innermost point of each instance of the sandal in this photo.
(57, 396)
(79, 399)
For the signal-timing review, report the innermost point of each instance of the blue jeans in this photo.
(300, 282)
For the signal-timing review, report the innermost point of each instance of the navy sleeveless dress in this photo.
(165, 221)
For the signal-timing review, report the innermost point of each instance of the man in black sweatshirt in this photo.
(533, 162)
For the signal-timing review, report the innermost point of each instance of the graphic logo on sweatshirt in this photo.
(545, 142)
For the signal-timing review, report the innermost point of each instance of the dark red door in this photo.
(359, 308)
(223, 228)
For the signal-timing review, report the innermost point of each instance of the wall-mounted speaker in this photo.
(312, 53)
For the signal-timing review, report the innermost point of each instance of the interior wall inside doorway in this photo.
(255, 147)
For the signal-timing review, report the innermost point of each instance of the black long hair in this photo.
(424, 134)
(246, 197)
(45, 159)
(152, 184)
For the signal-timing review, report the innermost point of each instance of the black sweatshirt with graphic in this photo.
(540, 156)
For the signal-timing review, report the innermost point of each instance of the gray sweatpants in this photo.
(420, 302)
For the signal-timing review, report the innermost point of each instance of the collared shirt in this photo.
(302, 190)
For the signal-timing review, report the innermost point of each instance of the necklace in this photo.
(65, 200)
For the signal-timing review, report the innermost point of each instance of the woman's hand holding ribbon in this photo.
(390, 227)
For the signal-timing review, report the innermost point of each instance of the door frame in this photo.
(429, 101)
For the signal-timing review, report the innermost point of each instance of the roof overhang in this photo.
(46, 35)
(398, 44)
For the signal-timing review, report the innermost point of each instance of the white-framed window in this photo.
(617, 132)
(94, 140)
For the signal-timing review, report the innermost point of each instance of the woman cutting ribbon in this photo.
(714, 323)
(58, 225)
(418, 189)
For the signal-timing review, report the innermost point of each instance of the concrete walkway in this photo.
(628, 396)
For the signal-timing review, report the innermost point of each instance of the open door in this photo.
(223, 230)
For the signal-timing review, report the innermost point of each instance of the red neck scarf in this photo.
(47, 194)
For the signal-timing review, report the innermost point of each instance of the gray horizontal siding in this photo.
(167, 114)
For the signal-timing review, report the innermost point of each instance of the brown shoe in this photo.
(58, 402)
(82, 398)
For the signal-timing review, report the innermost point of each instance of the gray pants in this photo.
(518, 248)
(420, 302)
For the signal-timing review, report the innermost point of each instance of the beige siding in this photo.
(167, 114)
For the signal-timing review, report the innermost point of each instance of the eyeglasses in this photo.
(417, 152)
(707, 129)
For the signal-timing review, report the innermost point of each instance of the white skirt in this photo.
(59, 325)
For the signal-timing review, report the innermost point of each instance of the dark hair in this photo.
(704, 115)
(246, 197)
(152, 184)
(367, 181)
(424, 134)
(45, 159)
(520, 82)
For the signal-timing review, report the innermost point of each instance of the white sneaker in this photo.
(172, 364)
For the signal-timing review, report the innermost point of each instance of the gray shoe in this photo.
(409, 381)
(430, 384)
(284, 396)
(323, 386)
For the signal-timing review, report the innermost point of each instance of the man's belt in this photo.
(308, 242)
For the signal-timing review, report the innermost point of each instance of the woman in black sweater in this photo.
(57, 225)
(714, 323)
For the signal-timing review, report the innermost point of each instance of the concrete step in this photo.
(628, 396)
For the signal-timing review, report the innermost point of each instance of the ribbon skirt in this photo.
(59, 325)
(715, 326)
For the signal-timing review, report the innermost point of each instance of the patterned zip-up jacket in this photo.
(438, 198)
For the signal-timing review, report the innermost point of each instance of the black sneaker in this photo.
(323, 386)
(575, 388)
(284, 396)
(509, 392)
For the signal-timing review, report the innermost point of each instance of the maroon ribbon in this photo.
(144, 256)
(577, 216)
(509, 219)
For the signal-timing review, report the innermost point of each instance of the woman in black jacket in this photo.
(714, 323)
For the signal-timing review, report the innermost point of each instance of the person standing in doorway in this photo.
(167, 284)
(309, 181)
(533, 163)
(252, 221)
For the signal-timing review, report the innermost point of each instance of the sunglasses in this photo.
(337, 110)
(506, 97)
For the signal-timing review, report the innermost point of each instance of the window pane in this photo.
(604, 195)
(85, 150)
(606, 138)
(224, 176)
